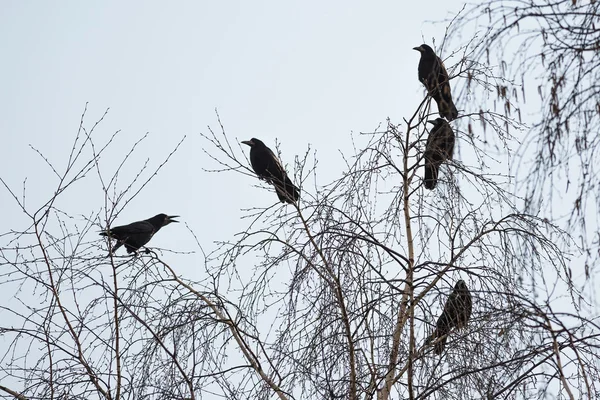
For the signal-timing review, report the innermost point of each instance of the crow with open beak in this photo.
(137, 234)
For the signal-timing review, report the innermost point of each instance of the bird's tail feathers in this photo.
(440, 344)
(286, 191)
(288, 194)
(447, 109)
(118, 243)
(453, 112)
(431, 176)
(116, 246)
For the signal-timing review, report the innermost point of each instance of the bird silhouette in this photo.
(439, 148)
(433, 75)
(456, 314)
(268, 167)
(137, 234)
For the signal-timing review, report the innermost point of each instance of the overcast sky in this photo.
(306, 74)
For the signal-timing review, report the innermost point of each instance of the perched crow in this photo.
(439, 148)
(435, 78)
(268, 167)
(456, 314)
(137, 234)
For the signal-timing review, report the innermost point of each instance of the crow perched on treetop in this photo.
(456, 314)
(268, 167)
(137, 234)
(439, 148)
(435, 78)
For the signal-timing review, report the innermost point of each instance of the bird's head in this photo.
(165, 219)
(461, 285)
(424, 49)
(253, 142)
(437, 121)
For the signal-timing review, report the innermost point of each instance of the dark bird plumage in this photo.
(268, 167)
(433, 75)
(137, 234)
(439, 148)
(456, 314)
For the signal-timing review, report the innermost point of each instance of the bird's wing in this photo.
(432, 147)
(449, 142)
(276, 160)
(443, 74)
(444, 82)
(467, 304)
(134, 228)
(278, 174)
(452, 307)
(430, 138)
(440, 144)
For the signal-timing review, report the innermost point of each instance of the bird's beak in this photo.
(419, 49)
(170, 218)
(248, 142)
(431, 121)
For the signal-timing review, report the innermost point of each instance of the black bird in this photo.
(137, 234)
(439, 148)
(435, 78)
(268, 167)
(456, 314)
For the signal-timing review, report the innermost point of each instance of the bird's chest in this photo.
(262, 163)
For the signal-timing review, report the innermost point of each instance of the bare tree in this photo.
(332, 297)
(373, 257)
(537, 64)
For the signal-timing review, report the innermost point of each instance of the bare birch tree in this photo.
(329, 298)
(536, 64)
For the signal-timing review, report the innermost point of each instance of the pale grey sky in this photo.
(305, 74)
